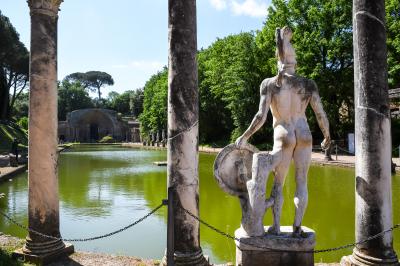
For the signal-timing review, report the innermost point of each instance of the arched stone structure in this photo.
(91, 125)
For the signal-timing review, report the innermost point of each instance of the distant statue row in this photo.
(156, 139)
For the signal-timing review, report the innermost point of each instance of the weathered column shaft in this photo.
(372, 135)
(183, 115)
(43, 182)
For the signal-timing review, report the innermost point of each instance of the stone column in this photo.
(43, 206)
(183, 115)
(372, 137)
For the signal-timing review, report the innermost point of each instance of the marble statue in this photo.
(287, 96)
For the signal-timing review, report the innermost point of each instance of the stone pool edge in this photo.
(317, 158)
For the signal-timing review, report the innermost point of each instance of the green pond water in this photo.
(103, 188)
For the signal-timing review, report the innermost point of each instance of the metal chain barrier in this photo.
(83, 239)
(202, 222)
(344, 150)
(184, 131)
(289, 251)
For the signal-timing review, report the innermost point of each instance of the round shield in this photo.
(232, 168)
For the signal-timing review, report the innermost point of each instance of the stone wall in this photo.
(91, 125)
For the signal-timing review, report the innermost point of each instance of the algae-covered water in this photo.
(103, 188)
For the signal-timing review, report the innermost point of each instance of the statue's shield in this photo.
(232, 168)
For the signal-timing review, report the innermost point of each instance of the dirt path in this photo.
(316, 157)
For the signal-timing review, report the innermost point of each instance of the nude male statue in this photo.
(287, 95)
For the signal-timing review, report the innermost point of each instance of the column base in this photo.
(359, 259)
(248, 255)
(188, 259)
(43, 257)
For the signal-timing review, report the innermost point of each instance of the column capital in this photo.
(46, 7)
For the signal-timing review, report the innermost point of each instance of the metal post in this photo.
(336, 151)
(170, 228)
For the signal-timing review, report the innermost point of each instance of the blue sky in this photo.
(129, 38)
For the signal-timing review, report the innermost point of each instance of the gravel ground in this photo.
(10, 243)
(98, 259)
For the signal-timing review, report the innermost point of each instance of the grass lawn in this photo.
(9, 131)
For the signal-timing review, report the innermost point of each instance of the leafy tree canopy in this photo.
(154, 115)
(92, 80)
(119, 102)
(72, 96)
(136, 102)
(393, 41)
(14, 67)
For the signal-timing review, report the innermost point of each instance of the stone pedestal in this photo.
(257, 253)
(42, 259)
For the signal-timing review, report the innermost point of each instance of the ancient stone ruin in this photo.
(240, 169)
(92, 124)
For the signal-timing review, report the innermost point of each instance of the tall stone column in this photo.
(372, 136)
(43, 206)
(183, 115)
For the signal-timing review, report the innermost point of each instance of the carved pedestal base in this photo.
(188, 259)
(42, 257)
(358, 259)
(249, 255)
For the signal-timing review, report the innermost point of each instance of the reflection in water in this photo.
(103, 188)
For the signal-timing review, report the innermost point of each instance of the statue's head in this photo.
(286, 33)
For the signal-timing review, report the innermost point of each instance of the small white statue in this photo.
(287, 96)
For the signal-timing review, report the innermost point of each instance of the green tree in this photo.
(136, 102)
(393, 41)
(92, 80)
(119, 102)
(21, 106)
(322, 37)
(154, 115)
(14, 67)
(230, 72)
(216, 128)
(72, 96)
(393, 46)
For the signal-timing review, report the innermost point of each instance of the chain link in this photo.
(202, 222)
(289, 251)
(184, 131)
(346, 151)
(82, 239)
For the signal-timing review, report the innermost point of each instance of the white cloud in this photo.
(142, 64)
(252, 8)
(219, 4)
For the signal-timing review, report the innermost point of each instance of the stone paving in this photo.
(6, 171)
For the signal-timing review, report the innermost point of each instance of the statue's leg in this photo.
(302, 159)
(263, 164)
(276, 193)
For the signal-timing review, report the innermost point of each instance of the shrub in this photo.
(107, 139)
